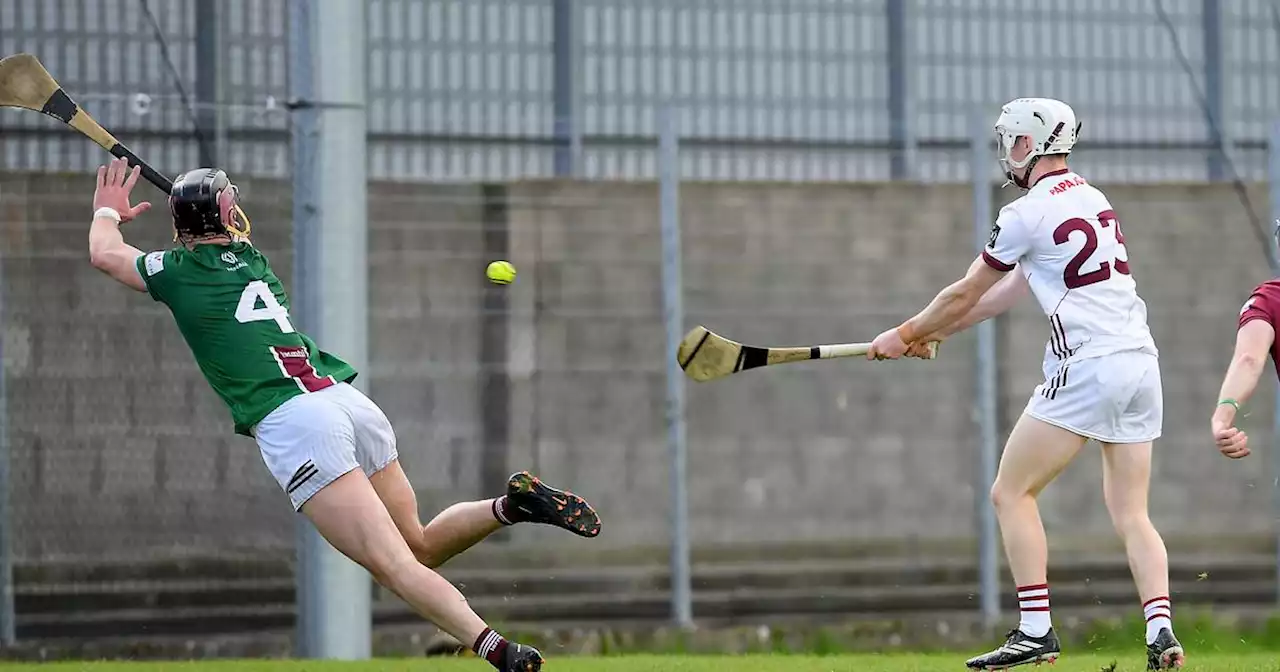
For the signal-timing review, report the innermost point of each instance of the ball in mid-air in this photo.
(501, 273)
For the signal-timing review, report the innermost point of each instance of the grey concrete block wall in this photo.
(120, 448)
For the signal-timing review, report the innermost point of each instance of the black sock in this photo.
(492, 647)
(505, 513)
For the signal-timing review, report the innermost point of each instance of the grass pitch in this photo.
(1255, 662)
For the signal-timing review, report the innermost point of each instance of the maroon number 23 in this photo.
(1072, 275)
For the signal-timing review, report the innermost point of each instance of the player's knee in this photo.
(1129, 522)
(393, 572)
(998, 495)
(387, 560)
(425, 555)
(379, 569)
(1004, 494)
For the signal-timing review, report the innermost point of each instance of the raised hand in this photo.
(115, 182)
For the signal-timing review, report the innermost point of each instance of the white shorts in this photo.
(312, 439)
(1114, 398)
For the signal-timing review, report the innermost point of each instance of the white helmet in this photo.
(1050, 124)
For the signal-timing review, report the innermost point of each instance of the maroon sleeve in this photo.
(1262, 305)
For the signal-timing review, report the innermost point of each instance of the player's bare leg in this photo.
(1126, 482)
(350, 516)
(1034, 455)
(453, 531)
(466, 524)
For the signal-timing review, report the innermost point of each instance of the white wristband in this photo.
(109, 213)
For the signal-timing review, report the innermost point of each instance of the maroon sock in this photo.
(492, 647)
(505, 513)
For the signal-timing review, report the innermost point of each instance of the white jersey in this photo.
(1066, 239)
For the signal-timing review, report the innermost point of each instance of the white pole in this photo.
(334, 613)
(673, 314)
(985, 404)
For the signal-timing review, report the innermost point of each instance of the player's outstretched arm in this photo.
(107, 250)
(1253, 342)
(948, 307)
(1000, 298)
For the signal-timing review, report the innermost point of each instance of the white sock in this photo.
(1159, 613)
(1033, 602)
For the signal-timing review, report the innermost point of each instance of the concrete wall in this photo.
(120, 448)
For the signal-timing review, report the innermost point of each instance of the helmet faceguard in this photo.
(205, 204)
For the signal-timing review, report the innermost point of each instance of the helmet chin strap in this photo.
(242, 233)
(236, 234)
(1024, 181)
(1009, 166)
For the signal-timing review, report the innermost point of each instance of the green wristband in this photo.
(1230, 402)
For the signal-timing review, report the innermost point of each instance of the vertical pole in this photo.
(495, 357)
(902, 121)
(985, 406)
(1273, 258)
(7, 625)
(220, 118)
(1215, 89)
(673, 315)
(566, 24)
(208, 80)
(330, 278)
(304, 127)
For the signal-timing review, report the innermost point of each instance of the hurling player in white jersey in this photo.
(1062, 240)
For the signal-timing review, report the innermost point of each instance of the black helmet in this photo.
(204, 203)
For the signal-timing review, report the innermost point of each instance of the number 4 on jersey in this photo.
(294, 361)
(248, 311)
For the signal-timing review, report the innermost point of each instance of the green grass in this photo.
(1197, 630)
(1259, 662)
(1215, 643)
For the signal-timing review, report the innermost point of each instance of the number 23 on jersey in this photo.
(1072, 275)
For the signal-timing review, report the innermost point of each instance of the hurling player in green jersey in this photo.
(329, 447)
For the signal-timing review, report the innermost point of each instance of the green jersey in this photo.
(234, 314)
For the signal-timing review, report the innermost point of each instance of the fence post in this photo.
(1273, 260)
(566, 21)
(673, 315)
(985, 382)
(7, 626)
(1215, 89)
(209, 67)
(902, 113)
(334, 613)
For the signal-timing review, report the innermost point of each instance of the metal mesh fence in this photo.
(812, 90)
(124, 467)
